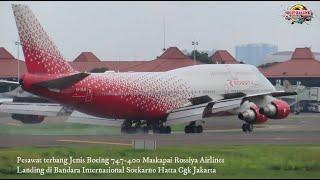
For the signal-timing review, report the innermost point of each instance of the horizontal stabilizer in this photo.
(63, 82)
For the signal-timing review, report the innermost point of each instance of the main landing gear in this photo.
(162, 130)
(143, 127)
(193, 128)
(134, 126)
(247, 127)
(159, 127)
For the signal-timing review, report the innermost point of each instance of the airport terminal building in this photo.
(302, 70)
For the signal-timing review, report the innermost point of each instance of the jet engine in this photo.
(277, 109)
(252, 115)
(28, 119)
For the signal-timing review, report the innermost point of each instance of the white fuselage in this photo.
(218, 79)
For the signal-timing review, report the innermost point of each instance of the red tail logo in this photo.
(41, 55)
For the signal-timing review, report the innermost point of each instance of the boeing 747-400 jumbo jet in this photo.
(141, 101)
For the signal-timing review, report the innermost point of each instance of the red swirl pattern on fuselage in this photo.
(135, 95)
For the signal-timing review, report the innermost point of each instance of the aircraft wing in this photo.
(54, 110)
(198, 112)
(230, 101)
(41, 109)
(5, 82)
(4, 100)
(78, 117)
(274, 94)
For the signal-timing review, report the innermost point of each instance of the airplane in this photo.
(141, 101)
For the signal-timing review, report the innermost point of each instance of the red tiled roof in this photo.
(87, 57)
(9, 65)
(223, 57)
(302, 53)
(5, 55)
(173, 53)
(123, 66)
(87, 66)
(301, 64)
(160, 65)
(171, 59)
(111, 65)
(87, 61)
(9, 69)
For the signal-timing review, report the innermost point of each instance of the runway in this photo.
(297, 129)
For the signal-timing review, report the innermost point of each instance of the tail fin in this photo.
(41, 55)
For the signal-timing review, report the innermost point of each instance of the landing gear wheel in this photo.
(162, 130)
(193, 129)
(187, 129)
(199, 129)
(145, 130)
(244, 127)
(250, 127)
(128, 130)
(134, 126)
(126, 127)
(247, 127)
(156, 130)
(168, 130)
(165, 130)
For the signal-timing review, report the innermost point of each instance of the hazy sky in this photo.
(134, 30)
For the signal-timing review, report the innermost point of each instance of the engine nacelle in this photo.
(277, 109)
(252, 115)
(28, 119)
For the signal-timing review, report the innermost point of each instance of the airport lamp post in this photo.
(297, 89)
(17, 43)
(194, 43)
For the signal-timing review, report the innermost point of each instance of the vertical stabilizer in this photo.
(40, 53)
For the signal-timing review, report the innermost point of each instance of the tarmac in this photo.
(296, 129)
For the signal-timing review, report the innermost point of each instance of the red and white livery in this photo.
(141, 100)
